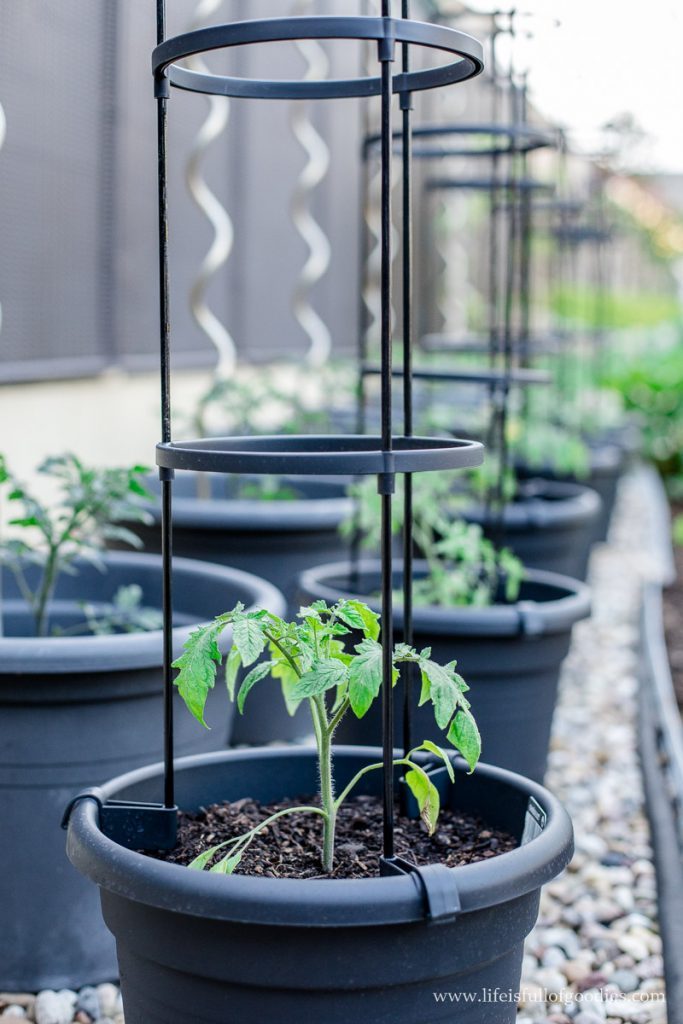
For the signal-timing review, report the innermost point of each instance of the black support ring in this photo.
(468, 50)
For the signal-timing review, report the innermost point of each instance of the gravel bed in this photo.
(595, 955)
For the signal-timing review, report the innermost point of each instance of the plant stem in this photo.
(373, 768)
(326, 787)
(47, 585)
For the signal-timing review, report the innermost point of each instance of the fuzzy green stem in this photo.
(373, 768)
(326, 786)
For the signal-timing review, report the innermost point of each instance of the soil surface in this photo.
(673, 619)
(290, 847)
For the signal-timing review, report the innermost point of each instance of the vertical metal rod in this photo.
(407, 244)
(386, 480)
(161, 93)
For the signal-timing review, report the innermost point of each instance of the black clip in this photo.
(133, 825)
(441, 896)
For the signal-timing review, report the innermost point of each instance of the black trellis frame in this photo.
(385, 455)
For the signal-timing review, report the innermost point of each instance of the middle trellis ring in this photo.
(469, 53)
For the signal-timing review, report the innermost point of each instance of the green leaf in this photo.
(247, 635)
(308, 612)
(324, 675)
(438, 752)
(365, 676)
(227, 865)
(197, 667)
(427, 796)
(359, 616)
(232, 665)
(464, 735)
(257, 673)
(442, 684)
(283, 671)
(200, 862)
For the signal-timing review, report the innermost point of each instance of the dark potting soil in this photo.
(673, 619)
(290, 847)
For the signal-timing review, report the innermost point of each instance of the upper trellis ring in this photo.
(385, 31)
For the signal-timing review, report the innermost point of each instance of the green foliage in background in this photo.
(89, 508)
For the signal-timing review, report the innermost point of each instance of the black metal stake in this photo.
(407, 155)
(166, 476)
(386, 480)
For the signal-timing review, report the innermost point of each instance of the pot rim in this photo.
(524, 617)
(248, 515)
(320, 903)
(58, 655)
(574, 505)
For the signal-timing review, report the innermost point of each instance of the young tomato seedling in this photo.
(310, 661)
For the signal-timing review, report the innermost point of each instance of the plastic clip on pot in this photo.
(223, 949)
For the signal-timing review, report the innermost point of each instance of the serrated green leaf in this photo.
(309, 612)
(464, 735)
(324, 675)
(257, 673)
(283, 671)
(197, 668)
(427, 796)
(232, 666)
(433, 748)
(442, 683)
(359, 616)
(247, 636)
(365, 676)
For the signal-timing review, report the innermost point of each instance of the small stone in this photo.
(626, 980)
(15, 1011)
(593, 980)
(652, 985)
(564, 938)
(54, 1007)
(614, 859)
(633, 945)
(576, 970)
(88, 1002)
(529, 965)
(554, 957)
(652, 967)
(550, 979)
(108, 996)
(24, 999)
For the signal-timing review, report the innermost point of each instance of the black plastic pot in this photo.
(607, 463)
(550, 525)
(72, 711)
(510, 654)
(195, 946)
(273, 538)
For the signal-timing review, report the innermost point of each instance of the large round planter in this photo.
(607, 463)
(195, 946)
(510, 654)
(73, 710)
(273, 538)
(550, 525)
